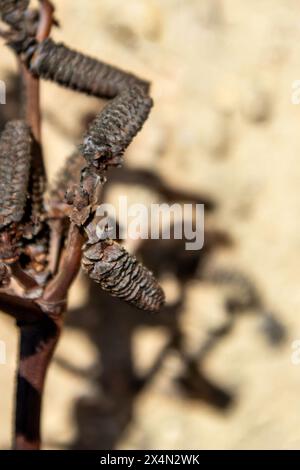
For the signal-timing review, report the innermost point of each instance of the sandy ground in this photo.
(223, 125)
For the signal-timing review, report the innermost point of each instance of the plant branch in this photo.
(37, 345)
(37, 340)
(57, 289)
(20, 309)
(32, 88)
(46, 20)
(22, 277)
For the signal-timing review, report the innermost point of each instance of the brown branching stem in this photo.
(20, 309)
(32, 86)
(42, 319)
(44, 250)
(37, 339)
(57, 289)
(37, 344)
(46, 20)
(22, 277)
(56, 236)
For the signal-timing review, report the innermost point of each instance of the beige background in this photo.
(223, 125)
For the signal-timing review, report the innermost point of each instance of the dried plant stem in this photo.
(32, 109)
(23, 278)
(57, 290)
(38, 339)
(42, 250)
(32, 87)
(56, 237)
(46, 20)
(20, 309)
(37, 344)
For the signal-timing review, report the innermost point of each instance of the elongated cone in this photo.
(120, 274)
(15, 156)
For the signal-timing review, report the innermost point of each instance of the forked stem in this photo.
(38, 339)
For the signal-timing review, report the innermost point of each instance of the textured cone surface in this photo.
(76, 71)
(11, 6)
(68, 175)
(115, 127)
(15, 151)
(11, 11)
(120, 274)
(4, 275)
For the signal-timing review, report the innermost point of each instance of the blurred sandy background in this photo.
(223, 125)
